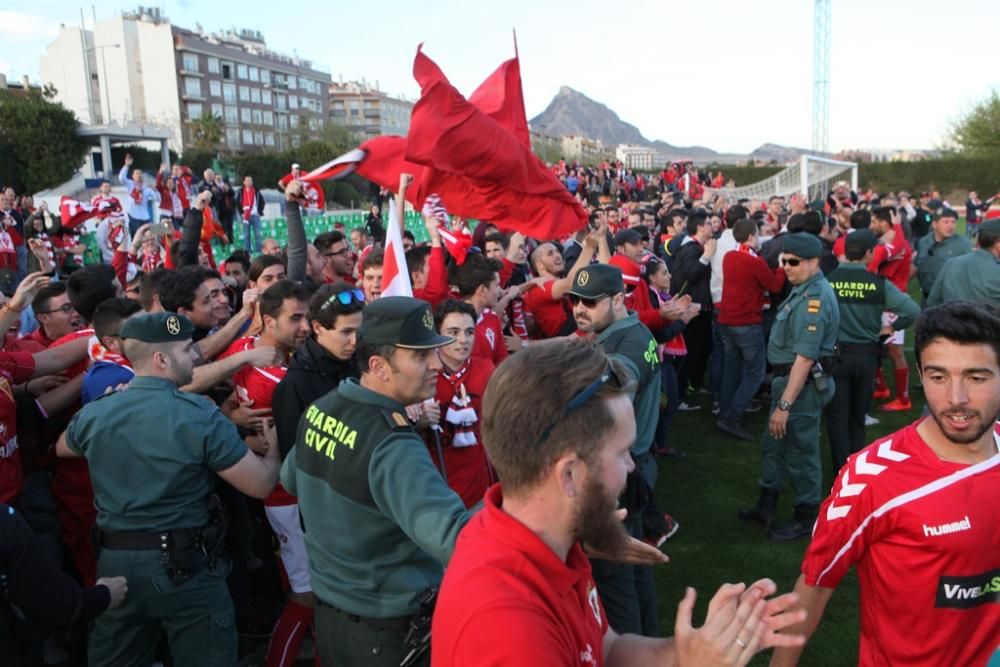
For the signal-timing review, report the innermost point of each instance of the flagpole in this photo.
(516, 56)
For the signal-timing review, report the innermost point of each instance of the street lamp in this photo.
(104, 75)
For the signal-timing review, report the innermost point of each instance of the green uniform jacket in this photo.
(862, 296)
(630, 342)
(152, 451)
(972, 277)
(806, 324)
(932, 255)
(379, 519)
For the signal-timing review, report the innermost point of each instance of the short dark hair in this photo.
(149, 288)
(883, 214)
(89, 286)
(363, 352)
(109, 315)
(477, 270)
(407, 234)
(40, 303)
(735, 214)
(325, 309)
(796, 223)
(240, 257)
(177, 290)
(270, 300)
(962, 322)
(374, 258)
(260, 264)
(497, 237)
(416, 258)
(986, 240)
(744, 229)
(812, 222)
(452, 306)
(861, 219)
(324, 241)
(694, 221)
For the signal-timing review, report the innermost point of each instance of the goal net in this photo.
(812, 176)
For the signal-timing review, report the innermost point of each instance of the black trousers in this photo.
(845, 414)
(698, 337)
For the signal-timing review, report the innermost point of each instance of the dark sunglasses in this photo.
(791, 262)
(587, 303)
(580, 398)
(346, 298)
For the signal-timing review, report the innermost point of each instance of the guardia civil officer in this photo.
(862, 297)
(937, 247)
(153, 453)
(973, 277)
(800, 350)
(379, 519)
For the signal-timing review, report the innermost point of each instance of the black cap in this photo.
(861, 239)
(803, 245)
(401, 321)
(945, 213)
(627, 236)
(934, 204)
(158, 328)
(991, 226)
(597, 280)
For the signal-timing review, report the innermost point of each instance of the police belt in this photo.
(127, 541)
(860, 348)
(396, 624)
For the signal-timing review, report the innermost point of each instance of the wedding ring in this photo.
(741, 643)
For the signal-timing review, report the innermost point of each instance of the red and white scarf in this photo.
(460, 414)
(249, 202)
(98, 352)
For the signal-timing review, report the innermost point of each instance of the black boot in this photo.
(763, 512)
(801, 525)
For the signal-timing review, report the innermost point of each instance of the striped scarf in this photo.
(460, 414)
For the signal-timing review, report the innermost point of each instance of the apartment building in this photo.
(366, 111)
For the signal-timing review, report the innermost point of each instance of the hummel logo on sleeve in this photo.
(948, 528)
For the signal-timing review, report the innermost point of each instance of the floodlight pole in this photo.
(821, 76)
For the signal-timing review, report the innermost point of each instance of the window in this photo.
(258, 118)
(190, 62)
(244, 94)
(293, 102)
(245, 115)
(293, 121)
(254, 74)
(217, 110)
(213, 65)
(229, 92)
(291, 83)
(232, 137)
(248, 137)
(241, 73)
(227, 71)
(255, 95)
(232, 115)
(194, 110)
(215, 88)
(269, 138)
(305, 84)
(280, 102)
(265, 97)
(268, 119)
(192, 86)
(258, 138)
(312, 123)
(265, 76)
(282, 121)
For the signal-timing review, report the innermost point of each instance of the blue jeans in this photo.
(252, 225)
(743, 368)
(970, 229)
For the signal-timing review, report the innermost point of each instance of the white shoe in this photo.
(684, 407)
(871, 421)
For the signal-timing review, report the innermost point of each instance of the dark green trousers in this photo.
(197, 616)
(795, 457)
(845, 414)
(343, 642)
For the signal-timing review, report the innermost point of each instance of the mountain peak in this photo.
(572, 112)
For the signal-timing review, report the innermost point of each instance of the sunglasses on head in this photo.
(346, 298)
(581, 397)
(791, 261)
(587, 303)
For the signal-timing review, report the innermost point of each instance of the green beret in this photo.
(158, 328)
(401, 321)
(803, 245)
(861, 239)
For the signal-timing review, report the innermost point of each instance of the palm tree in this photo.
(207, 132)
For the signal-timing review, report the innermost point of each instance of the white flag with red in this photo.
(395, 275)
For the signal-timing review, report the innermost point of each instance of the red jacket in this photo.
(746, 278)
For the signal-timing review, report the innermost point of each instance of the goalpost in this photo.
(811, 175)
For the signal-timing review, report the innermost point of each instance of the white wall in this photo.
(117, 63)
(159, 78)
(62, 65)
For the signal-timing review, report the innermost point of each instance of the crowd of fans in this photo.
(276, 328)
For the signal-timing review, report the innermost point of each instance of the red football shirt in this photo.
(508, 599)
(489, 343)
(550, 313)
(923, 533)
(892, 260)
(15, 368)
(255, 388)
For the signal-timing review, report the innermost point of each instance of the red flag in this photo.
(73, 213)
(500, 97)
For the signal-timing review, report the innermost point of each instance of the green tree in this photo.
(207, 132)
(977, 134)
(39, 141)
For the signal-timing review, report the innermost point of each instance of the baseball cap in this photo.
(597, 280)
(401, 321)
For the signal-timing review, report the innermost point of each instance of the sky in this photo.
(727, 74)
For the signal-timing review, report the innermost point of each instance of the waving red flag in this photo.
(500, 97)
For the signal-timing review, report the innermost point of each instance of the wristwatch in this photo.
(783, 405)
